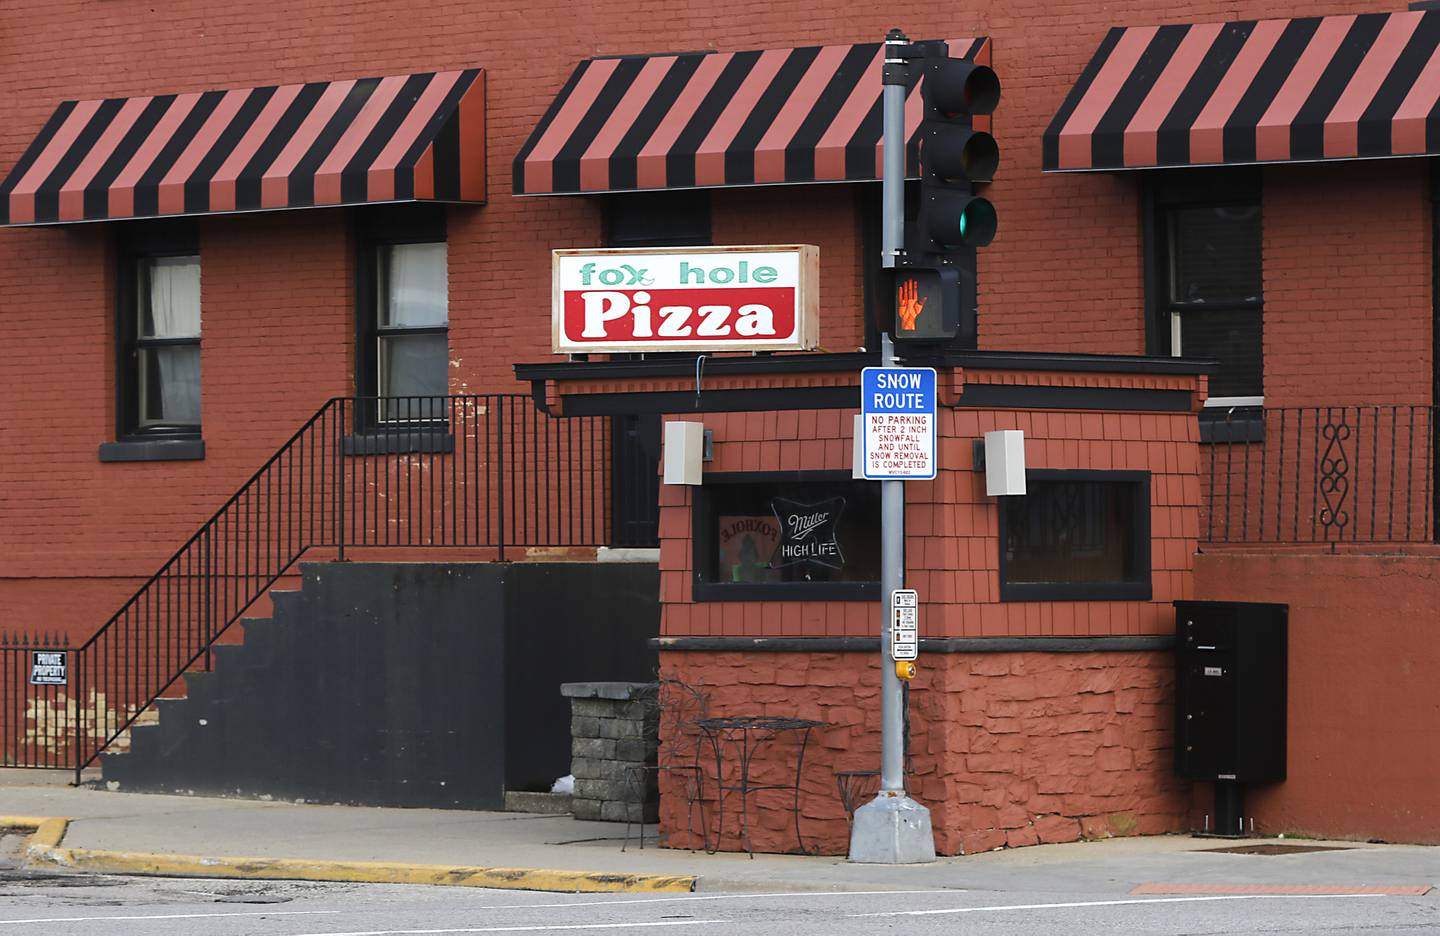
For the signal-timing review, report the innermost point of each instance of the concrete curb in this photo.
(45, 831)
(44, 848)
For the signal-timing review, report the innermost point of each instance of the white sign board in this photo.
(685, 299)
(898, 408)
(904, 624)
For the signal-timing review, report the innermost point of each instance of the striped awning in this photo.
(1284, 90)
(709, 119)
(403, 138)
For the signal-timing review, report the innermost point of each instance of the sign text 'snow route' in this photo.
(898, 410)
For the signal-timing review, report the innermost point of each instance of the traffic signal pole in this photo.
(892, 828)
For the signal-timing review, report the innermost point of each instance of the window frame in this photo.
(139, 245)
(655, 202)
(1140, 589)
(1165, 192)
(377, 228)
(703, 548)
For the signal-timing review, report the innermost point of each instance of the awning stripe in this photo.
(1126, 103)
(1373, 133)
(1174, 139)
(331, 142)
(1334, 87)
(803, 114)
(1141, 144)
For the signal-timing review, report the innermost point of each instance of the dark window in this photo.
(158, 312)
(1075, 536)
(811, 535)
(659, 219)
(1207, 284)
(403, 315)
(646, 219)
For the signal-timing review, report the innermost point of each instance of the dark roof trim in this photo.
(853, 361)
(1156, 643)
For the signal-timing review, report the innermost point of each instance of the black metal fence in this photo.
(1321, 474)
(488, 472)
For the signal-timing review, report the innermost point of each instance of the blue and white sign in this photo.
(897, 407)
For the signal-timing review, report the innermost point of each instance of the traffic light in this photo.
(948, 221)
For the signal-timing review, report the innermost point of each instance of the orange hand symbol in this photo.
(907, 306)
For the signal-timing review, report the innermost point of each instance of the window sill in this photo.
(145, 450)
(400, 442)
(1077, 591)
(1216, 427)
(785, 591)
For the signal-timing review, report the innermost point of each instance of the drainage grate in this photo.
(1271, 849)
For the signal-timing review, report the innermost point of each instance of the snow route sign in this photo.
(898, 405)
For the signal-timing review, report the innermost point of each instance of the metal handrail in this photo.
(1321, 474)
(485, 471)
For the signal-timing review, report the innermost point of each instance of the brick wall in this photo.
(1064, 272)
(1363, 742)
(952, 536)
(1007, 749)
(1347, 284)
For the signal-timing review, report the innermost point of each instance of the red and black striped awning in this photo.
(403, 138)
(709, 119)
(1286, 90)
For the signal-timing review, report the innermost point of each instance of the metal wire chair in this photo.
(675, 706)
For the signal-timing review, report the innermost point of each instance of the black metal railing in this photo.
(489, 472)
(1321, 474)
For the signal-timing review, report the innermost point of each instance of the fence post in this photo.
(500, 474)
(340, 479)
(79, 725)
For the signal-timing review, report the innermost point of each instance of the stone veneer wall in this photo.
(613, 731)
(1007, 748)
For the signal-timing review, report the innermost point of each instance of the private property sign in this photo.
(897, 406)
(47, 668)
(685, 299)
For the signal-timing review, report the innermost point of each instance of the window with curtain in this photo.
(412, 329)
(161, 357)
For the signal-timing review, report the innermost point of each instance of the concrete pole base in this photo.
(892, 829)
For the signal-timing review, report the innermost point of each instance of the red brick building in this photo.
(1305, 267)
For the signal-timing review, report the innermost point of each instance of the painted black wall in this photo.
(406, 684)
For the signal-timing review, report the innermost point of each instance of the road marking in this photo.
(1118, 903)
(692, 897)
(169, 916)
(520, 929)
(1330, 890)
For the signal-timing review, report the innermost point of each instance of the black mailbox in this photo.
(1230, 691)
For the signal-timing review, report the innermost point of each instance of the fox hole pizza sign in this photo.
(685, 299)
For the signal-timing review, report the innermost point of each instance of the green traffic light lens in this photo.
(977, 223)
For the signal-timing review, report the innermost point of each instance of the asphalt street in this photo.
(62, 904)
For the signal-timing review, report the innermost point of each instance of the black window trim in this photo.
(1142, 589)
(374, 228)
(1223, 418)
(138, 242)
(703, 550)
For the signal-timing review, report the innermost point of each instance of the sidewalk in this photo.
(151, 828)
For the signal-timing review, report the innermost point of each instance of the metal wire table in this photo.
(745, 735)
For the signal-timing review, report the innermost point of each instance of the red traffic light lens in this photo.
(960, 87)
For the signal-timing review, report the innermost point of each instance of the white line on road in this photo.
(692, 897)
(518, 929)
(1114, 903)
(168, 916)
